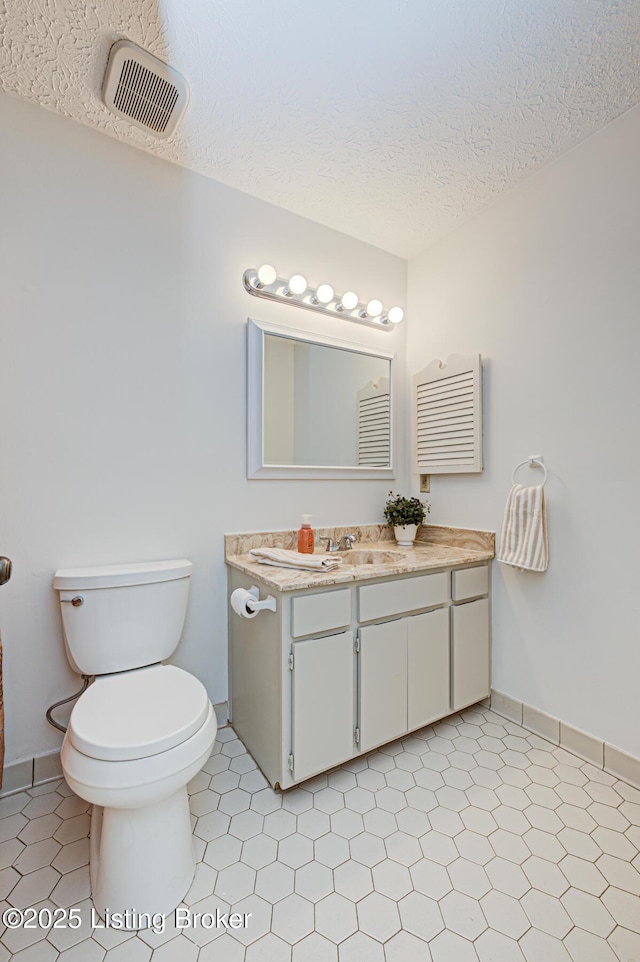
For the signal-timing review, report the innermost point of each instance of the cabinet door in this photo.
(470, 653)
(322, 706)
(383, 683)
(428, 667)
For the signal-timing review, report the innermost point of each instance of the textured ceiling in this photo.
(390, 120)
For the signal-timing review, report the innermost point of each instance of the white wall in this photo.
(122, 384)
(546, 286)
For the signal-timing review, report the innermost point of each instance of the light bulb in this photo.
(374, 308)
(349, 300)
(325, 293)
(267, 274)
(297, 284)
(395, 315)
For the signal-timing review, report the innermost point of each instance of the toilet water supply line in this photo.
(64, 701)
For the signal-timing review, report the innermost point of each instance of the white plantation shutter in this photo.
(448, 416)
(374, 424)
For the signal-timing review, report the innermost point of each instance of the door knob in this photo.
(5, 570)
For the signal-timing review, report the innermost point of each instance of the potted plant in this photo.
(405, 515)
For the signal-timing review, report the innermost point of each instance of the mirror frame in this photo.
(256, 467)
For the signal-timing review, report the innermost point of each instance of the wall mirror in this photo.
(318, 407)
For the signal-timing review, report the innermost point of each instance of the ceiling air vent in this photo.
(144, 90)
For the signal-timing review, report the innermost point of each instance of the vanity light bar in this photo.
(266, 283)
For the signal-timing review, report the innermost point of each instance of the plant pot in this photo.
(405, 534)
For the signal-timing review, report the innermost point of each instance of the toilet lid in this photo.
(138, 713)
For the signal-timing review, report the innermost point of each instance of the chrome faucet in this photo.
(344, 544)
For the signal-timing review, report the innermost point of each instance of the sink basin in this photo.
(364, 556)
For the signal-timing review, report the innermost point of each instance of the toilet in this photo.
(137, 735)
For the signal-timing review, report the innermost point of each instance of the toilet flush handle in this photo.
(76, 601)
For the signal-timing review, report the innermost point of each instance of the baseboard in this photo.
(17, 775)
(29, 772)
(222, 713)
(607, 757)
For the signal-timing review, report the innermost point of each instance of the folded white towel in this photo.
(282, 558)
(523, 539)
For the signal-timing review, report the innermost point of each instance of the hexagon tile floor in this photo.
(470, 841)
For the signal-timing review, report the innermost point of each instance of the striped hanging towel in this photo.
(523, 539)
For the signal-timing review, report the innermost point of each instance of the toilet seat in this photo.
(138, 781)
(137, 714)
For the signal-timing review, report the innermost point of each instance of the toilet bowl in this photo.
(136, 737)
(141, 842)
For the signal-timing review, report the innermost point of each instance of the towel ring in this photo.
(533, 463)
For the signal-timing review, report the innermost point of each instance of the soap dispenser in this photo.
(306, 540)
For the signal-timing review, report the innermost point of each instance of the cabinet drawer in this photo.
(470, 582)
(406, 594)
(311, 614)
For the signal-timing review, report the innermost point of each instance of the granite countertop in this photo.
(437, 546)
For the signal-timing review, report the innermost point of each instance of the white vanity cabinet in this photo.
(337, 671)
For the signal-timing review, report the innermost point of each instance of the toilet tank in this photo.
(124, 616)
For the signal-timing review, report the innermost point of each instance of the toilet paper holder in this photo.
(269, 602)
